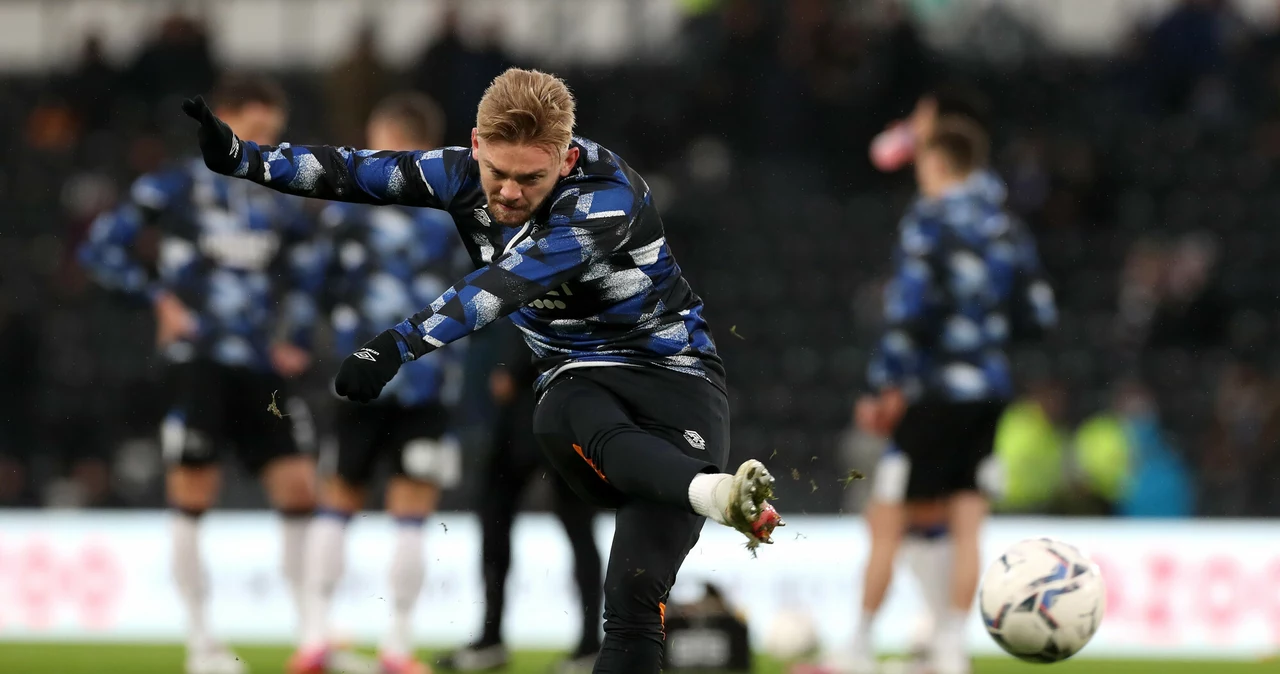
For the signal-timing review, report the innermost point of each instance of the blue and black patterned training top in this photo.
(242, 259)
(385, 263)
(589, 279)
(967, 279)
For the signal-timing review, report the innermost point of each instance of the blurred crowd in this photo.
(1148, 177)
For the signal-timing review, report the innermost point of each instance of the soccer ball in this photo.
(1042, 600)
(791, 636)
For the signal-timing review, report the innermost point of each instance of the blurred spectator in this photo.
(353, 87)
(1192, 312)
(20, 349)
(456, 74)
(1159, 484)
(1125, 465)
(93, 86)
(176, 62)
(1029, 444)
(1242, 441)
(1023, 168)
(52, 126)
(1141, 281)
(1185, 45)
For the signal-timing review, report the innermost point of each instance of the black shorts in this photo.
(416, 440)
(219, 407)
(585, 403)
(939, 449)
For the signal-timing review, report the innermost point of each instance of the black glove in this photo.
(365, 372)
(220, 147)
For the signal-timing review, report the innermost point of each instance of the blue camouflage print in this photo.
(589, 279)
(967, 277)
(242, 259)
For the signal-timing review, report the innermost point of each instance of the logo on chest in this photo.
(246, 250)
(553, 299)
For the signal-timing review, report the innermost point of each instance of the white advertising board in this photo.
(1176, 588)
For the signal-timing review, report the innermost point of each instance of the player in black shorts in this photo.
(566, 240)
(381, 264)
(967, 280)
(232, 273)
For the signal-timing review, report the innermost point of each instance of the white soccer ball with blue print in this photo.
(1042, 600)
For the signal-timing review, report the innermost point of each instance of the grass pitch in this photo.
(51, 658)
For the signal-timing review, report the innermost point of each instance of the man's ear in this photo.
(475, 139)
(570, 158)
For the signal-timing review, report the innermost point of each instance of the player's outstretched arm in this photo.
(522, 274)
(427, 178)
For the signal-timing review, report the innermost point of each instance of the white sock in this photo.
(293, 557)
(862, 634)
(325, 558)
(929, 560)
(408, 569)
(955, 621)
(709, 495)
(189, 576)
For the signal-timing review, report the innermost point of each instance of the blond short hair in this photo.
(527, 107)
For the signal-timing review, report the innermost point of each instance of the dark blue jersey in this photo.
(239, 257)
(384, 263)
(967, 279)
(589, 279)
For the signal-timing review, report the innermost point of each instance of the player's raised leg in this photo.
(649, 443)
(610, 455)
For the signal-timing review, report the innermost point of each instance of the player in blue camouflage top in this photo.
(382, 264)
(967, 282)
(234, 279)
(632, 409)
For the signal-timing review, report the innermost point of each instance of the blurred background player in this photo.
(382, 263)
(233, 277)
(513, 463)
(926, 545)
(633, 409)
(967, 280)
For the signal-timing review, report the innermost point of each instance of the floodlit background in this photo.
(1139, 139)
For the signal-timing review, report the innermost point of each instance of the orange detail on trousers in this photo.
(662, 616)
(591, 463)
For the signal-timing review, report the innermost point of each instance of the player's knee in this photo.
(926, 513)
(290, 483)
(968, 510)
(192, 489)
(341, 496)
(411, 499)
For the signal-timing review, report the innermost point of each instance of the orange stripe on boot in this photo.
(591, 463)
